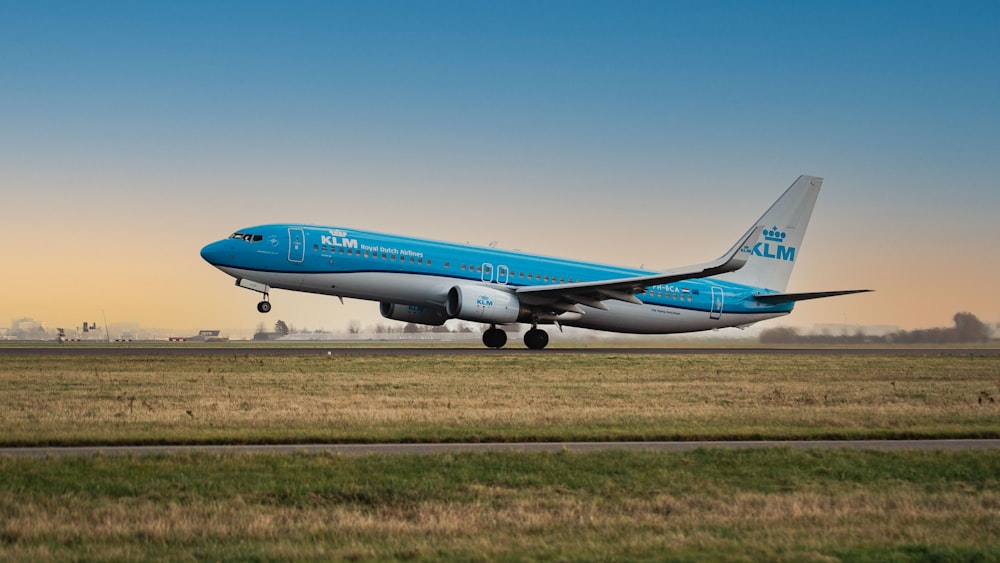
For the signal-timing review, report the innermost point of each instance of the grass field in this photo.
(706, 505)
(709, 505)
(233, 397)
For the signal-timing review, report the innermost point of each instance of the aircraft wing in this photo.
(565, 297)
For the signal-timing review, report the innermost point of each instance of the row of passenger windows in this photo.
(670, 295)
(522, 275)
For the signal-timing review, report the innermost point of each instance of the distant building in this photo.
(26, 324)
(208, 336)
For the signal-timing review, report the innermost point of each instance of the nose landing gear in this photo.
(264, 306)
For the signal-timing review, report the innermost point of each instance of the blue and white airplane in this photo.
(428, 282)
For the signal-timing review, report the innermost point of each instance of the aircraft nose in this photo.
(215, 252)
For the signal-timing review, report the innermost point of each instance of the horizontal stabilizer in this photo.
(775, 298)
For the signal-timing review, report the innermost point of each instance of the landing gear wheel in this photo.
(494, 338)
(264, 306)
(536, 339)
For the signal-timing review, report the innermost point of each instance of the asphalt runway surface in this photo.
(552, 447)
(340, 349)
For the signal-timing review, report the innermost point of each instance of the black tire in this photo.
(536, 339)
(494, 338)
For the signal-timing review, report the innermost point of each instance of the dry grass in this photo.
(496, 397)
(770, 505)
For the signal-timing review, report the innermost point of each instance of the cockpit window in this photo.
(248, 237)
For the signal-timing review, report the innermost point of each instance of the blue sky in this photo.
(631, 133)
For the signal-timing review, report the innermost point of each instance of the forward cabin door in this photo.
(296, 244)
(716, 303)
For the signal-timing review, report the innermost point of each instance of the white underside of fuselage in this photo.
(432, 291)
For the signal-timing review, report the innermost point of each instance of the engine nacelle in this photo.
(413, 314)
(482, 304)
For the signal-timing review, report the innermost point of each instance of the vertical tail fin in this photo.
(774, 255)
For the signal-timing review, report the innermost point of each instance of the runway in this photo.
(550, 447)
(340, 349)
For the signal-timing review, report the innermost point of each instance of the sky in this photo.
(631, 133)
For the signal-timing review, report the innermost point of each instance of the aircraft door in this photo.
(716, 303)
(296, 244)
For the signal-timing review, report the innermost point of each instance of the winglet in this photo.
(737, 256)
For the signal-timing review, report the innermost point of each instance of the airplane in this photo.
(428, 282)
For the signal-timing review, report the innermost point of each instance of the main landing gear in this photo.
(494, 337)
(535, 339)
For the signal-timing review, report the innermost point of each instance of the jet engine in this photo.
(482, 304)
(413, 314)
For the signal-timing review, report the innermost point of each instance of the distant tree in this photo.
(281, 328)
(968, 328)
(779, 335)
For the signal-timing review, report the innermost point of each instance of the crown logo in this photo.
(774, 235)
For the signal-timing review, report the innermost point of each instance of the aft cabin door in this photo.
(296, 244)
(716, 303)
